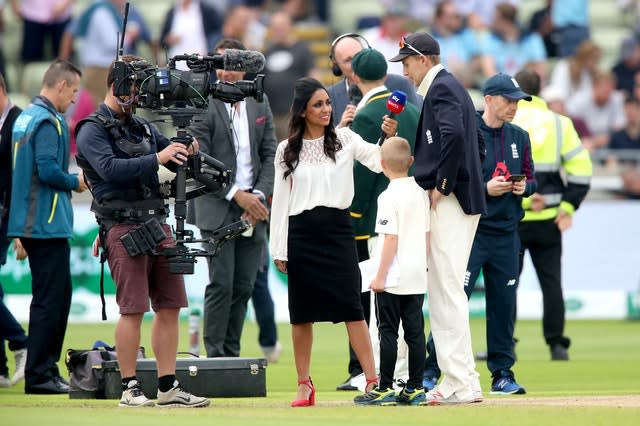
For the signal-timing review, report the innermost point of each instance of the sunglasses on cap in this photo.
(404, 43)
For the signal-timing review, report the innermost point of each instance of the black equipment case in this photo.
(208, 377)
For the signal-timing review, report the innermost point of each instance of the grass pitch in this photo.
(600, 385)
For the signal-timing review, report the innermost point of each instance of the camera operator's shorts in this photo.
(143, 278)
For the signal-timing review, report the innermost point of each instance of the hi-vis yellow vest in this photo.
(555, 146)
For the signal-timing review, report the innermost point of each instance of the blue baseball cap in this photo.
(504, 85)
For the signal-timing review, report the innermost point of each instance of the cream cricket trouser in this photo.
(452, 234)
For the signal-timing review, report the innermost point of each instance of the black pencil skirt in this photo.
(324, 278)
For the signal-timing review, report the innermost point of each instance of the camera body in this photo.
(167, 88)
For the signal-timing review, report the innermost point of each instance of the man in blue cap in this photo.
(509, 175)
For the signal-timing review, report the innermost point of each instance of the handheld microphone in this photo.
(395, 104)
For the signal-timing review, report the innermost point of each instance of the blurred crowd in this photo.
(478, 38)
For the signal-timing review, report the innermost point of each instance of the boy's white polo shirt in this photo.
(403, 210)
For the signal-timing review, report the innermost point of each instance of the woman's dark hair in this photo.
(303, 91)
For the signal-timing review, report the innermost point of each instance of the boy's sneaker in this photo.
(377, 397)
(21, 361)
(434, 397)
(133, 396)
(177, 397)
(411, 397)
(506, 386)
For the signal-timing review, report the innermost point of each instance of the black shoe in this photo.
(62, 380)
(52, 386)
(346, 385)
(559, 353)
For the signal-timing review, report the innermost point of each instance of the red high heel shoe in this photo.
(312, 396)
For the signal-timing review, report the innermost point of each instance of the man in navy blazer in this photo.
(343, 49)
(448, 165)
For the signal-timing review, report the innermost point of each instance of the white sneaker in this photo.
(272, 353)
(477, 396)
(177, 397)
(21, 361)
(5, 382)
(134, 397)
(434, 397)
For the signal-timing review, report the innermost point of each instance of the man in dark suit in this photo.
(10, 329)
(242, 136)
(344, 96)
(448, 165)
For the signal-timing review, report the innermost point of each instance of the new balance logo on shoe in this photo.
(511, 282)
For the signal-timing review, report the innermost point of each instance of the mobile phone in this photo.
(516, 178)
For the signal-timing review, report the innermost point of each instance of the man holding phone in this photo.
(509, 175)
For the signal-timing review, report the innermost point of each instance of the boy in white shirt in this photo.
(403, 226)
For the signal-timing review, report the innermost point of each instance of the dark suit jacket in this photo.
(5, 164)
(340, 97)
(449, 148)
(214, 135)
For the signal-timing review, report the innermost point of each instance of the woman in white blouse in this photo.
(312, 239)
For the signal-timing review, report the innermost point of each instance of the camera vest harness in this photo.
(136, 205)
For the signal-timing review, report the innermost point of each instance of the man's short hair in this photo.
(529, 82)
(58, 71)
(396, 154)
(230, 43)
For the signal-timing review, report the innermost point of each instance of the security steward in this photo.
(508, 173)
(556, 150)
(120, 154)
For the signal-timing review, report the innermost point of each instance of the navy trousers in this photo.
(497, 256)
(10, 329)
(50, 304)
(263, 306)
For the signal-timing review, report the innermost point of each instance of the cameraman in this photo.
(120, 154)
(242, 136)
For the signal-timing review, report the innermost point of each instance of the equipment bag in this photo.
(86, 376)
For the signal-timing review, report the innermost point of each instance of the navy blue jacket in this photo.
(510, 144)
(448, 145)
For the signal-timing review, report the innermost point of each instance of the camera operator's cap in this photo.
(420, 43)
(504, 85)
(369, 64)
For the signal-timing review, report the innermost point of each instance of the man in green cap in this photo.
(369, 74)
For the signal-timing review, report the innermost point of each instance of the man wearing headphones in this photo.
(344, 94)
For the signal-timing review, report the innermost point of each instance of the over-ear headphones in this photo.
(335, 69)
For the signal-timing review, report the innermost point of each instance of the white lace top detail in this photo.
(312, 151)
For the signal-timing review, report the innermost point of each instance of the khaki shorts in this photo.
(142, 278)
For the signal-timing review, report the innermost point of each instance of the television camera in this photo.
(182, 95)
